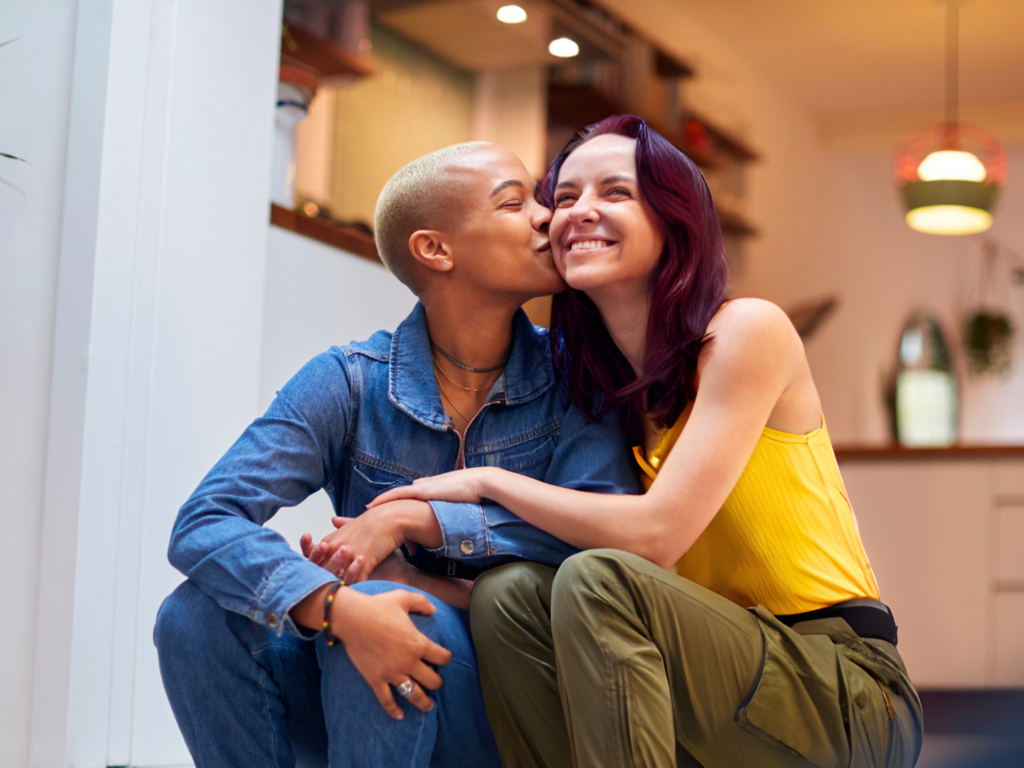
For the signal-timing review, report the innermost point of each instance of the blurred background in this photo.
(186, 202)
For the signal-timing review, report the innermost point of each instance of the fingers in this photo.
(387, 700)
(419, 699)
(306, 544)
(426, 676)
(414, 602)
(336, 562)
(354, 572)
(338, 522)
(401, 492)
(435, 654)
(319, 553)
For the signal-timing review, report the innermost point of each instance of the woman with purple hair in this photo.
(728, 616)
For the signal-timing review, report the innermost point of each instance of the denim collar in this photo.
(413, 386)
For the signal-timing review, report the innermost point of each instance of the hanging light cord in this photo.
(952, 62)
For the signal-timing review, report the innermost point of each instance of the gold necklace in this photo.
(453, 381)
(448, 397)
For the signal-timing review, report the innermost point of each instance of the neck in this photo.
(476, 333)
(625, 316)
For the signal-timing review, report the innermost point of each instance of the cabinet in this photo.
(945, 537)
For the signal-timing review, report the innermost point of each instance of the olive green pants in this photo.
(614, 662)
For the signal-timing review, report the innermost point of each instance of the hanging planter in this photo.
(988, 338)
(988, 331)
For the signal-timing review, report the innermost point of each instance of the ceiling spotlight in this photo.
(511, 14)
(563, 47)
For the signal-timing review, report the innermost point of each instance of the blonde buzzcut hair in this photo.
(420, 195)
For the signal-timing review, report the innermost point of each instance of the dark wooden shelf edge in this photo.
(345, 238)
(734, 224)
(320, 56)
(891, 452)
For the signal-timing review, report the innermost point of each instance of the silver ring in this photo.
(405, 689)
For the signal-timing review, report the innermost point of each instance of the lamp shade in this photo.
(950, 175)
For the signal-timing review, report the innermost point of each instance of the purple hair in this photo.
(687, 288)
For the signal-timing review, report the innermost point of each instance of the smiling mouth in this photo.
(580, 245)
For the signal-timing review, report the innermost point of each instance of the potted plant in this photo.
(988, 337)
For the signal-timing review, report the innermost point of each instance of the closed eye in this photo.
(564, 199)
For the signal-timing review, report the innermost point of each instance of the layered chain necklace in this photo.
(463, 366)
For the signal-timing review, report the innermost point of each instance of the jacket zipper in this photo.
(460, 462)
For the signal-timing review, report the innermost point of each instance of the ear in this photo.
(428, 247)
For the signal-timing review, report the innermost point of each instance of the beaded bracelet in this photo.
(328, 602)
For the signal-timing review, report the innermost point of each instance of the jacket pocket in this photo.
(531, 458)
(794, 704)
(366, 483)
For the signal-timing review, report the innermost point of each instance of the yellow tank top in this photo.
(786, 537)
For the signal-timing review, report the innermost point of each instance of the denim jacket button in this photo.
(272, 620)
(466, 547)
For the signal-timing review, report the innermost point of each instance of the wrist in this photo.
(419, 524)
(346, 602)
(308, 613)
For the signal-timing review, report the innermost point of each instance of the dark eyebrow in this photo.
(620, 177)
(572, 184)
(508, 183)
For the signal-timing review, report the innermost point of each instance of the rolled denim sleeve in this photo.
(591, 456)
(219, 540)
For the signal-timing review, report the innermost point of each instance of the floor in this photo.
(973, 729)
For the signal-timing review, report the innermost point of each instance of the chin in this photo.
(589, 277)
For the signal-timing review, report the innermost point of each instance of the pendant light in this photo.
(950, 173)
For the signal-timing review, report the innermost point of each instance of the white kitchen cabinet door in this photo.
(925, 528)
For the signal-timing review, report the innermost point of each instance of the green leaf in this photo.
(12, 157)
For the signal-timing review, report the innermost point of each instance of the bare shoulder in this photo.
(744, 323)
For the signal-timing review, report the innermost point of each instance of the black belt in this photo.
(867, 617)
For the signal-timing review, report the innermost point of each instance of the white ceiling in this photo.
(843, 55)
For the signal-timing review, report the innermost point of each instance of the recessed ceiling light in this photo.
(511, 14)
(563, 47)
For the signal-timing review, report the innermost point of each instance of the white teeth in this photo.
(588, 244)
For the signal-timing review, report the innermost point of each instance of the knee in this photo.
(506, 597)
(588, 584)
(586, 572)
(446, 626)
(184, 619)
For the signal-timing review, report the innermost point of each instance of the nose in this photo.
(583, 210)
(541, 219)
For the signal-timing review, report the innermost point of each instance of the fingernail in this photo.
(400, 716)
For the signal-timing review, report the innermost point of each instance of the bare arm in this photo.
(745, 381)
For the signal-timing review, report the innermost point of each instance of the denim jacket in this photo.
(360, 419)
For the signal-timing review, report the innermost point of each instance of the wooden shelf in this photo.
(735, 224)
(346, 238)
(726, 142)
(899, 453)
(325, 58)
(579, 105)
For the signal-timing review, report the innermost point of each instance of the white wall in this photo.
(510, 108)
(882, 270)
(35, 83)
(317, 297)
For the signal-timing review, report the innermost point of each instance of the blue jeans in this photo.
(246, 696)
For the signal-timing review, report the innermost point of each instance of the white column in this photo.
(157, 345)
(511, 109)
